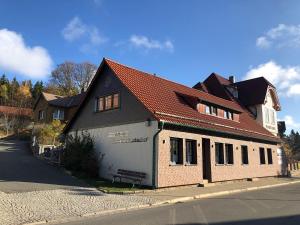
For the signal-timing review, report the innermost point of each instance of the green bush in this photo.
(80, 154)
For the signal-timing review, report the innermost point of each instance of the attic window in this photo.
(107, 102)
(212, 110)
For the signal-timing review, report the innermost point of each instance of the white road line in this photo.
(197, 208)
(172, 216)
(246, 205)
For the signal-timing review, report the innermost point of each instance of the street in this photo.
(279, 205)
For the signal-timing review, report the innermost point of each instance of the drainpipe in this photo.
(154, 155)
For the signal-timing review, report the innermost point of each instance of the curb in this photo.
(160, 203)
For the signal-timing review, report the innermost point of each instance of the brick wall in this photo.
(174, 175)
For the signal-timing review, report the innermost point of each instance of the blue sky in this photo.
(183, 41)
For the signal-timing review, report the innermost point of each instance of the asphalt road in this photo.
(274, 206)
(21, 172)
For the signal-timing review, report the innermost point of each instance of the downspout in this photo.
(154, 155)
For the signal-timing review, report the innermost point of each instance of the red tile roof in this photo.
(160, 96)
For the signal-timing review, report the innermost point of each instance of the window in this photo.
(207, 109)
(176, 150)
(58, 114)
(228, 115)
(244, 152)
(262, 156)
(116, 101)
(270, 159)
(41, 114)
(191, 151)
(212, 110)
(272, 116)
(229, 153)
(107, 102)
(219, 147)
(267, 115)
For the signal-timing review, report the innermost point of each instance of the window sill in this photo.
(107, 110)
(175, 164)
(229, 164)
(191, 164)
(244, 164)
(219, 164)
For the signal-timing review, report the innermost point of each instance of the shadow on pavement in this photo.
(17, 164)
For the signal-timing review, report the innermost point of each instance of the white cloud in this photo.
(15, 56)
(263, 42)
(290, 122)
(285, 78)
(144, 42)
(76, 30)
(280, 36)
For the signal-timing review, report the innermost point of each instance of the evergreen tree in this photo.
(37, 89)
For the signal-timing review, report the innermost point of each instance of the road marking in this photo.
(246, 205)
(260, 202)
(172, 216)
(197, 208)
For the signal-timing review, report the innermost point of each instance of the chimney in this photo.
(232, 79)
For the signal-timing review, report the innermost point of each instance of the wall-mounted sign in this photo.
(131, 140)
(118, 134)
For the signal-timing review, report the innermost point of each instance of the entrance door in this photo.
(206, 159)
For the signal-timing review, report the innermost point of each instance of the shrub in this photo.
(80, 154)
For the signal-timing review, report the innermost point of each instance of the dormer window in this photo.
(212, 110)
(228, 115)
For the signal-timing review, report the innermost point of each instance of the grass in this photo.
(107, 186)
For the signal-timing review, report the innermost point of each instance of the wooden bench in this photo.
(136, 177)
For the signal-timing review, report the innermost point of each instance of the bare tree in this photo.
(70, 78)
(84, 74)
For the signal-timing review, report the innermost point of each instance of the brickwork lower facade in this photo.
(169, 174)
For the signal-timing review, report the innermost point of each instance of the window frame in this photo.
(104, 102)
(41, 114)
(262, 156)
(193, 154)
(179, 151)
(269, 156)
(244, 147)
(59, 113)
(219, 156)
(227, 155)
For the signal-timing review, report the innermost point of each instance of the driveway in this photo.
(21, 172)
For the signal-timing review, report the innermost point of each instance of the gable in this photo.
(106, 83)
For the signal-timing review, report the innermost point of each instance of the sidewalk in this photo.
(41, 207)
(180, 194)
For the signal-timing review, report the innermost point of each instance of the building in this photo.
(176, 134)
(49, 107)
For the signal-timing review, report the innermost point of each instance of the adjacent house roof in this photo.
(9, 110)
(162, 98)
(253, 91)
(61, 101)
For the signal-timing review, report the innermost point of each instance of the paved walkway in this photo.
(175, 194)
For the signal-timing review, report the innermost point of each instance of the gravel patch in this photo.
(26, 207)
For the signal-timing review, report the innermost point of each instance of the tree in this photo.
(70, 78)
(49, 133)
(84, 73)
(37, 89)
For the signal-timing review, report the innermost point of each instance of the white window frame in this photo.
(58, 114)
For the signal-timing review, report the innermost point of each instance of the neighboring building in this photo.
(49, 107)
(176, 134)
